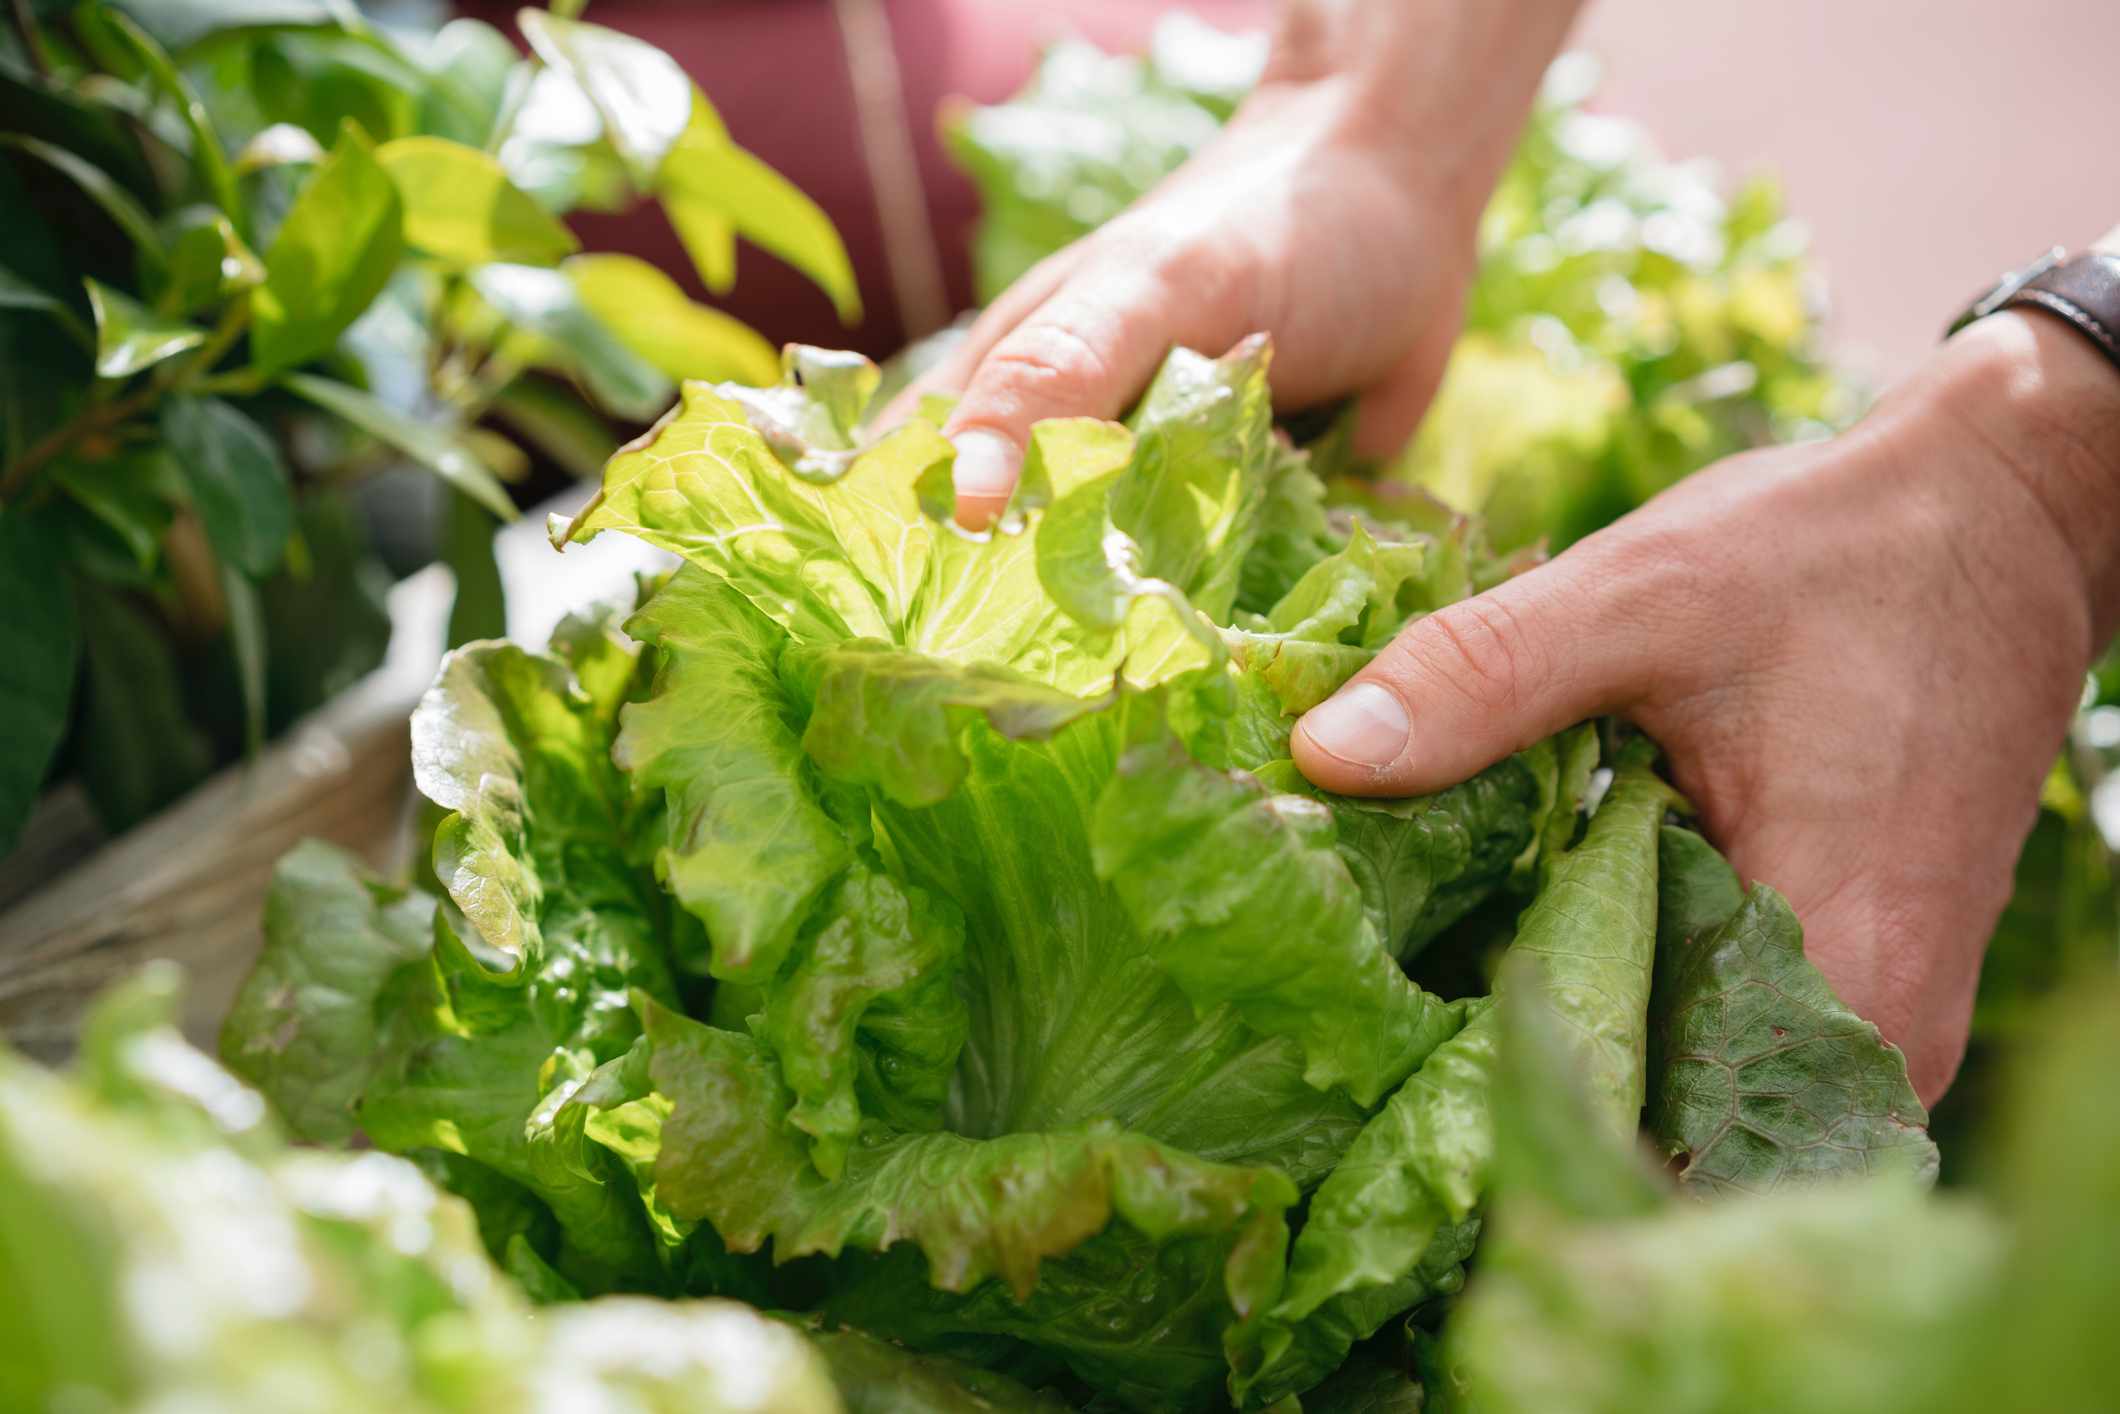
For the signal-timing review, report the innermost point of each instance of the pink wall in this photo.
(1929, 144)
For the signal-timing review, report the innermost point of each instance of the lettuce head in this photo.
(928, 931)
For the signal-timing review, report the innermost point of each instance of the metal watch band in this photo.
(2084, 291)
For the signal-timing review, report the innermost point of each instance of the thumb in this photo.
(1464, 687)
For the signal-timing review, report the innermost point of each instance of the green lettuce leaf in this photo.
(1761, 1077)
(1243, 901)
(959, 815)
(1590, 936)
(1600, 1291)
(304, 1027)
(976, 1208)
(134, 1181)
(875, 1377)
(746, 843)
(928, 932)
(1390, 1225)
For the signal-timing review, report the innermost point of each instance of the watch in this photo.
(2083, 291)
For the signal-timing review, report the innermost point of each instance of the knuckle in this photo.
(1049, 359)
(1478, 650)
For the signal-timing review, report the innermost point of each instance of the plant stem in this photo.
(89, 421)
(102, 417)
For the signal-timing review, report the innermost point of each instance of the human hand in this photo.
(1336, 213)
(1861, 656)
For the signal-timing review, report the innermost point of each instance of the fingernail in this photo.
(1365, 725)
(986, 464)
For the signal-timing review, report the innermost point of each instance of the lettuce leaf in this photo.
(1762, 1078)
(1588, 941)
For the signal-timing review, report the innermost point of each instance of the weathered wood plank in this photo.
(190, 884)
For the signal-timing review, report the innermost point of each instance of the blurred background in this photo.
(1928, 146)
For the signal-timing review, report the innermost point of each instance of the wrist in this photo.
(1435, 90)
(2047, 404)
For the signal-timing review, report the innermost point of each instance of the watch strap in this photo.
(2084, 291)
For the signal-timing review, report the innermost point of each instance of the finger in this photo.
(1031, 289)
(1467, 685)
(1086, 352)
(1391, 411)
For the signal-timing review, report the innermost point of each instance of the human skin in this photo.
(1860, 655)
(1336, 212)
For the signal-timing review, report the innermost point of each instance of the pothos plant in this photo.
(258, 249)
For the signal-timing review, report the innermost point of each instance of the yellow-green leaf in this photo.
(131, 337)
(207, 262)
(704, 229)
(704, 178)
(650, 315)
(461, 207)
(331, 258)
(642, 94)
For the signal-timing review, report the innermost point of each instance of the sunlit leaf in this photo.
(763, 207)
(131, 337)
(460, 206)
(330, 259)
(470, 67)
(280, 145)
(651, 316)
(548, 303)
(645, 98)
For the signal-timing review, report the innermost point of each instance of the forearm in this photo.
(1444, 85)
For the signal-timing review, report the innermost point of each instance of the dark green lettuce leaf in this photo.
(462, 1039)
(1424, 862)
(1138, 1321)
(1600, 1291)
(304, 1027)
(1389, 1226)
(1242, 899)
(1760, 1077)
(875, 1377)
(868, 1019)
